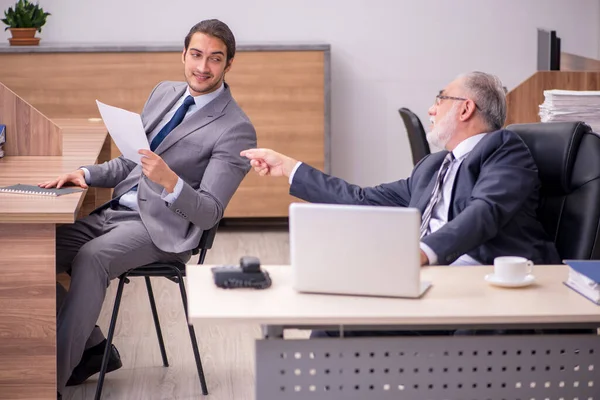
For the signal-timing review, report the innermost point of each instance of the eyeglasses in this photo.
(440, 97)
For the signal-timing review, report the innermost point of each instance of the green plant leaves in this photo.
(25, 15)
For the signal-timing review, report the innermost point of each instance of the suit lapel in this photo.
(421, 204)
(425, 196)
(209, 113)
(167, 99)
(454, 200)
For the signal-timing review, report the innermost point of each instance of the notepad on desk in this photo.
(36, 190)
(584, 278)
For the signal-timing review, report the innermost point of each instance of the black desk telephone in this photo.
(247, 275)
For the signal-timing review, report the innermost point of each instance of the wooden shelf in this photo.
(524, 101)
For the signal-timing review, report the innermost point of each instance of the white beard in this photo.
(443, 131)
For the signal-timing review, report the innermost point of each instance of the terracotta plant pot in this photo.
(23, 37)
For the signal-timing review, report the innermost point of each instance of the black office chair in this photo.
(417, 138)
(568, 159)
(174, 272)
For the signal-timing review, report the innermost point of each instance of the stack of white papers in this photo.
(571, 105)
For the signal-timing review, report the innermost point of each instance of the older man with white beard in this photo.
(478, 198)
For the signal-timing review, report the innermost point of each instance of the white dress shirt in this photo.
(129, 199)
(439, 215)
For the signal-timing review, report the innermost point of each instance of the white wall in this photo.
(386, 54)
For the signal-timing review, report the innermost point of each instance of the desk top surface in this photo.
(82, 142)
(459, 295)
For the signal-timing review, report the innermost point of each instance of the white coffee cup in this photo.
(512, 269)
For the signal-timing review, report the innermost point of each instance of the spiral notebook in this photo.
(36, 190)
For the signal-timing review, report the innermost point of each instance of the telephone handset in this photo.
(247, 275)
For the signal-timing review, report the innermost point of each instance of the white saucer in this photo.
(491, 278)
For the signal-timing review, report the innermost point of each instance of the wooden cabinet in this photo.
(284, 90)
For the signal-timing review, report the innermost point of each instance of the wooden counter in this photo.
(27, 259)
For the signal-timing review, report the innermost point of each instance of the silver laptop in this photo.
(358, 250)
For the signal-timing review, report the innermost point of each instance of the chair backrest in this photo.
(417, 137)
(206, 242)
(568, 158)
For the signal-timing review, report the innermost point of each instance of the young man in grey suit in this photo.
(160, 208)
(478, 198)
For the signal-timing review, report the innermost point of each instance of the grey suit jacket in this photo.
(493, 211)
(204, 151)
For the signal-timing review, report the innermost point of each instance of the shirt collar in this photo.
(465, 147)
(204, 99)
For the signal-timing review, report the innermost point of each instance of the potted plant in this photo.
(23, 21)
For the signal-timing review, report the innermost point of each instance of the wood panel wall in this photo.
(28, 132)
(282, 92)
(524, 101)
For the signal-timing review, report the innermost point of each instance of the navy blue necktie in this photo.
(175, 120)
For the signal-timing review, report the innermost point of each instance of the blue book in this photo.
(2, 138)
(589, 268)
(584, 278)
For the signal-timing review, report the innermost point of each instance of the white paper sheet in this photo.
(126, 129)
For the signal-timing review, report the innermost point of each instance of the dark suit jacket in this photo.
(494, 204)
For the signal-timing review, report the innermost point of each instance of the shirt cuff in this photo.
(433, 259)
(86, 174)
(298, 164)
(171, 197)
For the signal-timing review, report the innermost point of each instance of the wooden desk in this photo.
(459, 296)
(27, 260)
(414, 367)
